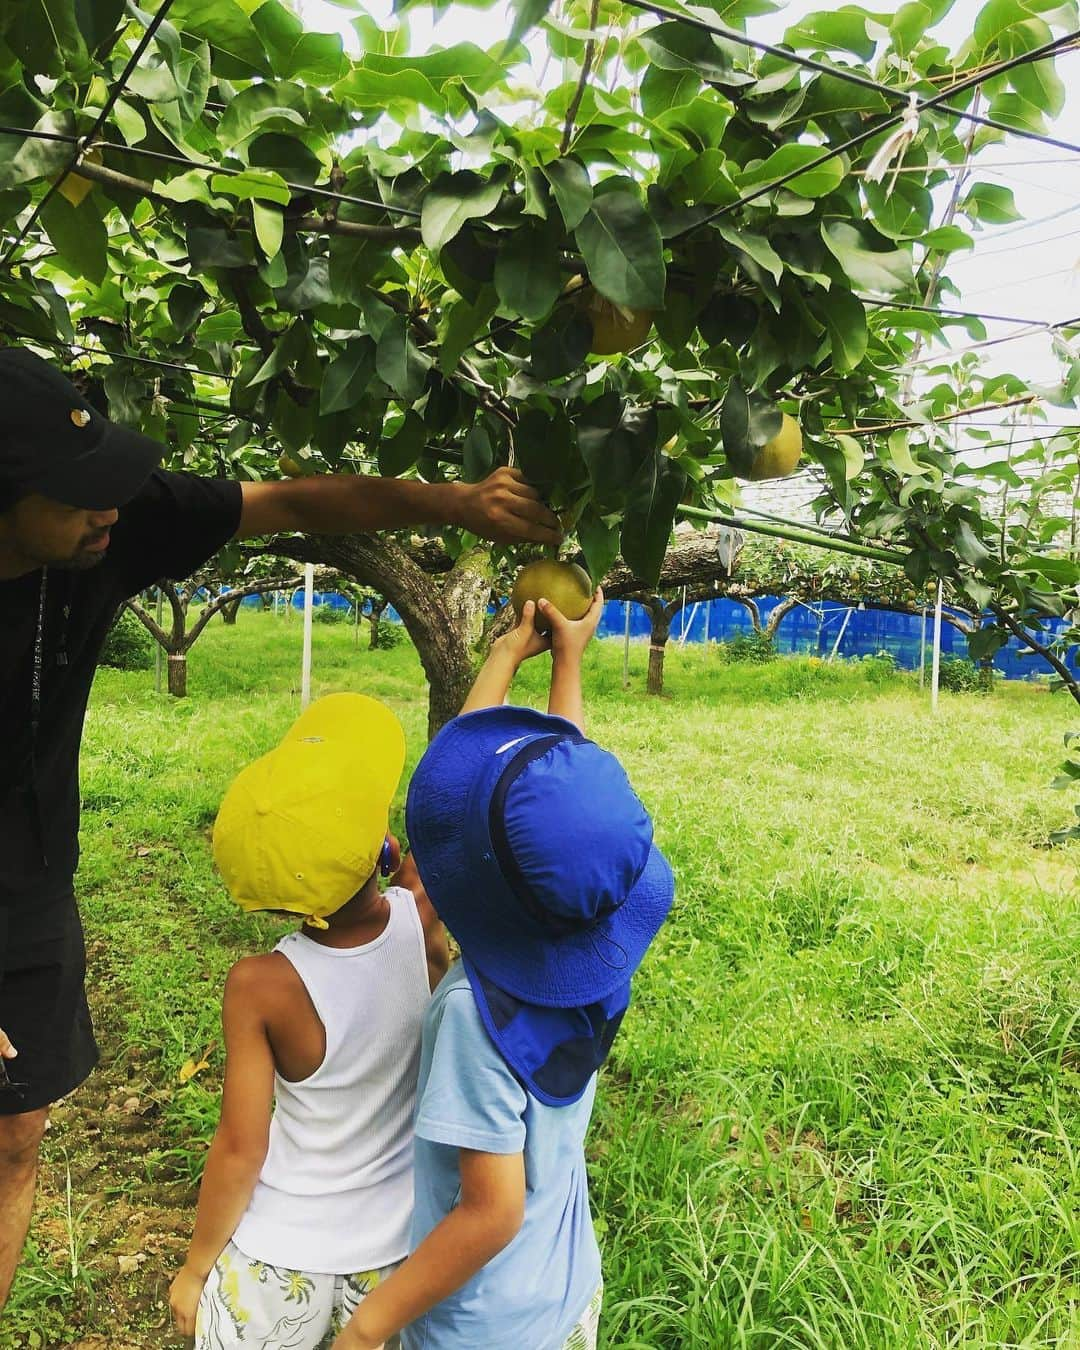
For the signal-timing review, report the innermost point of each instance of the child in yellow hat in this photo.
(307, 1196)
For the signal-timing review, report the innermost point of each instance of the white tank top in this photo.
(335, 1194)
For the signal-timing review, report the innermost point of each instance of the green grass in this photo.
(844, 1109)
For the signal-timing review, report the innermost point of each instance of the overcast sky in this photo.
(1030, 269)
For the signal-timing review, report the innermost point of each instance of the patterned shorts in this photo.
(583, 1336)
(249, 1303)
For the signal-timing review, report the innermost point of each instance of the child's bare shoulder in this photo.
(262, 981)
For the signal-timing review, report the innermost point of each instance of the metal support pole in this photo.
(305, 673)
(626, 648)
(922, 649)
(935, 672)
(157, 648)
(840, 635)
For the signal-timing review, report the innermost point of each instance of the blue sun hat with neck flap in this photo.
(539, 857)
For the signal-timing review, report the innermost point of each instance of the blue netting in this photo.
(811, 630)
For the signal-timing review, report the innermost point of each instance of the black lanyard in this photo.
(39, 660)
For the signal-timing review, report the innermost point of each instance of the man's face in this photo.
(47, 532)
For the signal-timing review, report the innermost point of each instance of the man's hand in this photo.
(7, 1050)
(504, 508)
(184, 1294)
(570, 637)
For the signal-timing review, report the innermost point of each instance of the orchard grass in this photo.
(844, 1108)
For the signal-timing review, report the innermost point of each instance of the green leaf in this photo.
(315, 58)
(816, 182)
(185, 304)
(735, 430)
(573, 192)
(867, 268)
(755, 246)
(599, 540)
(676, 46)
(79, 236)
(902, 209)
(353, 264)
(192, 186)
(901, 455)
(527, 14)
(561, 345)
(348, 377)
(991, 204)
(403, 449)
(947, 239)
(379, 89)
(399, 362)
(294, 423)
(237, 49)
(527, 275)
(454, 198)
(1037, 82)
(623, 251)
(477, 454)
(252, 186)
(654, 496)
(269, 228)
(845, 320)
(463, 322)
(35, 158)
(853, 456)
(613, 444)
(843, 29)
(968, 546)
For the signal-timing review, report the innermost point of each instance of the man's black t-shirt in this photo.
(175, 524)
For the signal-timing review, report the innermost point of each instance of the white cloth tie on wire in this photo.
(895, 146)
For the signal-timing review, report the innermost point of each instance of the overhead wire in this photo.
(847, 76)
(1040, 53)
(228, 171)
(110, 102)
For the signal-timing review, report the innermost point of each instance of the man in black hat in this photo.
(86, 520)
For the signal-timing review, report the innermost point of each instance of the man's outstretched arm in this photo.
(503, 507)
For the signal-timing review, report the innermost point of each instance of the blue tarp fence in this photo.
(811, 630)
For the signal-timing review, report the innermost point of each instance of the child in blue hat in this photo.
(538, 856)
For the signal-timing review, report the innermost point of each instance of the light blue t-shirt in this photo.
(531, 1295)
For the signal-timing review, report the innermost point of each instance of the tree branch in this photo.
(583, 80)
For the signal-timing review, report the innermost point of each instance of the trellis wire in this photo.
(842, 73)
(924, 105)
(110, 102)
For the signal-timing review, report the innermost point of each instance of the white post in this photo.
(305, 673)
(935, 670)
(922, 649)
(157, 649)
(626, 648)
(708, 611)
(840, 635)
(682, 615)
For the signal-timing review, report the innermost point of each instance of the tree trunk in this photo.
(178, 676)
(375, 619)
(660, 619)
(229, 610)
(443, 615)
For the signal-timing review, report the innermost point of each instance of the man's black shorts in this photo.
(43, 1002)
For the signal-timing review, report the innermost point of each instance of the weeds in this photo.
(843, 1110)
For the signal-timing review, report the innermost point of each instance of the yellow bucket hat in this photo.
(302, 828)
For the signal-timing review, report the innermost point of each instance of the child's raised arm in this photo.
(239, 1149)
(507, 653)
(569, 638)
